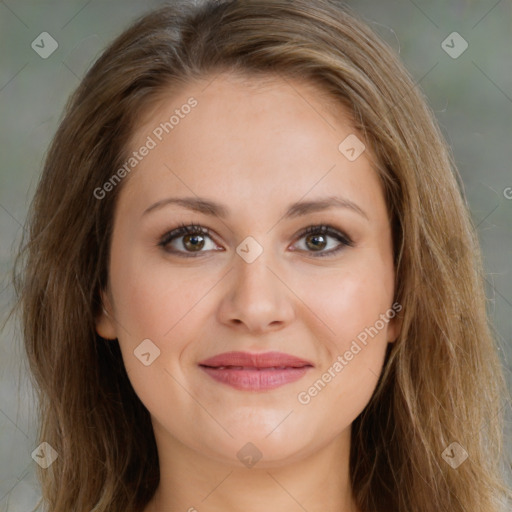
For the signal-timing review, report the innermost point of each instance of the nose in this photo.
(256, 298)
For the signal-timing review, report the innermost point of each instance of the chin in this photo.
(260, 452)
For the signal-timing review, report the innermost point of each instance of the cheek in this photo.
(157, 304)
(354, 307)
(351, 299)
(151, 298)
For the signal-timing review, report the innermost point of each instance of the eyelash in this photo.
(196, 229)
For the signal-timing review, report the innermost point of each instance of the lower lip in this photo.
(256, 380)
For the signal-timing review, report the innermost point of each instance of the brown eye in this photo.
(316, 242)
(317, 238)
(193, 242)
(194, 239)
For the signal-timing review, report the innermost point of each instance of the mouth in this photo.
(257, 371)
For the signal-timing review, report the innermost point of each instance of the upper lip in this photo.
(255, 360)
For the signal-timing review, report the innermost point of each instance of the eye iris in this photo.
(196, 240)
(315, 238)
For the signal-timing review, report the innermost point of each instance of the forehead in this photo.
(232, 100)
(246, 136)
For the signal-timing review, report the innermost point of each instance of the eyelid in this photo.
(327, 229)
(331, 231)
(192, 228)
(181, 230)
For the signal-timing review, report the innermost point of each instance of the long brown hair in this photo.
(442, 381)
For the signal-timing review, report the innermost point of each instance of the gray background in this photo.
(471, 96)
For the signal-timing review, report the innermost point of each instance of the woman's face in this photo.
(255, 165)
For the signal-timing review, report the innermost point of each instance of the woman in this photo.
(251, 281)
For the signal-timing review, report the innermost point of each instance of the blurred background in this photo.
(466, 77)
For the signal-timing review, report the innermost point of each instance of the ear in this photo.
(395, 327)
(105, 323)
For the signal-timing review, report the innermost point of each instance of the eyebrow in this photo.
(203, 205)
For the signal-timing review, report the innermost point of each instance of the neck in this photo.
(190, 481)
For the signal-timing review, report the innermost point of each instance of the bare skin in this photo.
(255, 150)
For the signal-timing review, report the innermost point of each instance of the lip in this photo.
(255, 371)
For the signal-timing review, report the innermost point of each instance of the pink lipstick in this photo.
(256, 371)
